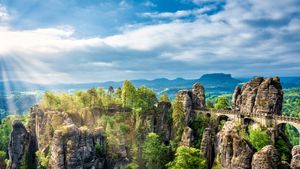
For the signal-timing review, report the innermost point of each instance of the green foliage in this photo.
(222, 103)
(178, 117)
(154, 153)
(200, 123)
(6, 128)
(43, 159)
(99, 149)
(259, 138)
(132, 165)
(164, 98)
(145, 99)
(74, 102)
(283, 149)
(2, 155)
(128, 94)
(188, 157)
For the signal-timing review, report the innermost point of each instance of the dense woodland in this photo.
(125, 118)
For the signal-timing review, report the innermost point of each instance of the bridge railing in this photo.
(287, 118)
(259, 115)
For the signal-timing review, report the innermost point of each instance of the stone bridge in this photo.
(263, 118)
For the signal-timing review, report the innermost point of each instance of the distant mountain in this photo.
(215, 82)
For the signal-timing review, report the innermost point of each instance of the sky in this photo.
(75, 41)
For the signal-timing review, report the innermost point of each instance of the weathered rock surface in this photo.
(187, 137)
(259, 96)
(162, 122)
(207, 145)
(186, 99)
(295, 163)
(198, 97)
(267, 158)
(60, 136)
(20, 149)
(75, 148)
(233, 151)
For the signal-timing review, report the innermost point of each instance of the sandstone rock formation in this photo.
(75, 147)
(162, 122)
(259, 96)
(267, 158)
(186, 99)
(20, 149)
(198, 96)
(207, 146)
(187, 137)
(68, 145)
(295, 163)
(233, 151)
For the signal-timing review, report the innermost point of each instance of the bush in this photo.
(43, 160)
(188, 157)
(154, 153)
(259, 138)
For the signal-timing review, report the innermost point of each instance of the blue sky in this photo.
(75, 41)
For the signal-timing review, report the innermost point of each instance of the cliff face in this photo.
(191, 99)
(267, 158)
(232, 150)
(259, 96)
(56, 135)
(21, 148)
(75, 147)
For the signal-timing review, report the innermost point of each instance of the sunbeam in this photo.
(7, 88)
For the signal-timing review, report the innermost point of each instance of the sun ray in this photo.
(7, 89)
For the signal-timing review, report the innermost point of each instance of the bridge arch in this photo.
(249, 121)
(295, 125)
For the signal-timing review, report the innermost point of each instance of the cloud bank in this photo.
(242, 37)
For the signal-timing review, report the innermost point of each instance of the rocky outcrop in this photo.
(207, 145)
(187, 137)
(233, 151)
(267, 158)
(162, 122)
(61, 138)
(198, 96)
(74, 147)
(21, 150)
(295, 163)
(259, 96)
(185, 97)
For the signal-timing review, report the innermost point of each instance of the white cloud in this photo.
(226, 41)
(177, 14)
(3, 14)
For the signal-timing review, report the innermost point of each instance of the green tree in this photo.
(92, 93)
(187, 157)
(259, 138)
(222, 102)
(164, 98)
(128, 94)
(145, 99)
(50, 101)
(178, 117)
(154, 152)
